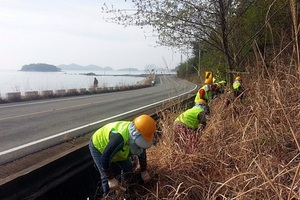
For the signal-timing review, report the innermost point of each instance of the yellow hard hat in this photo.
(208, 81)
(146, 126)
(201, 101)
(238, 78)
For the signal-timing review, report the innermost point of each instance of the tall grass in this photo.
(248, 150)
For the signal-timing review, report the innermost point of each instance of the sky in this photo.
(75, 31)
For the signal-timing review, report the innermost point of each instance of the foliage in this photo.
(181, 23)
(227, 31)
(263, 23)
(186, 69)
(248, 150)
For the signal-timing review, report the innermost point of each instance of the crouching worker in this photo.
(190, 120)
(188, 126)
(112, 145)
(238, 88)
(203, 104)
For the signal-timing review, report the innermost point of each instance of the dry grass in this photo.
(248, 150)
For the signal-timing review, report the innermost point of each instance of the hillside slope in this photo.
(248, 150)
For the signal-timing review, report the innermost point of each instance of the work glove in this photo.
(145, 176)
(203, 125)
(113, 184)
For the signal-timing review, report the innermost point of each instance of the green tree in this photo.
(182, 23)
(225, 29)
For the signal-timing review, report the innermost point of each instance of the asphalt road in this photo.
(24, 122)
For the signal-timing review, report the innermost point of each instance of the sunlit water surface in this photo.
(20, 81)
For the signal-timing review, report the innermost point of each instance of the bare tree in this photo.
(150, 69)
(182, 22)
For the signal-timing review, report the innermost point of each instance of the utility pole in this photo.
(199, 60)
(187, 61)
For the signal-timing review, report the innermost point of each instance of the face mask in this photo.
(137, 139)
(135, 149)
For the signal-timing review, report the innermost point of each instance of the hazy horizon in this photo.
(64, 32)
(89, 67)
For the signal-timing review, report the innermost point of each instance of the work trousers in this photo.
(116, 167)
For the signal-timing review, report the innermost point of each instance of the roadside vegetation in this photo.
(249, 149)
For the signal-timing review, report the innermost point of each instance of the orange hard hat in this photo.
(238, 78)
(146, 126)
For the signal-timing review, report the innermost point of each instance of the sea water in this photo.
(21, 81)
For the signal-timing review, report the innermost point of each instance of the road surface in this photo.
(24, 122)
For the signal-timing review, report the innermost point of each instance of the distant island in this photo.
(84, 68)
(128, 69)
(40, 67)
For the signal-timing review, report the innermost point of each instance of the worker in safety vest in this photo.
(238, 88)
(206, 93)
(190, 120)
(221, 86)
(112, 145)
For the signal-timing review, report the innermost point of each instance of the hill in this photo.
(128, 69)
(40, 67)
(88, 67)
(249, 149)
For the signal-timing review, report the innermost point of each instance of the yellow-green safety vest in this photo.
(190, 117)
(101, 138)
(207, 94)
(236, 85)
